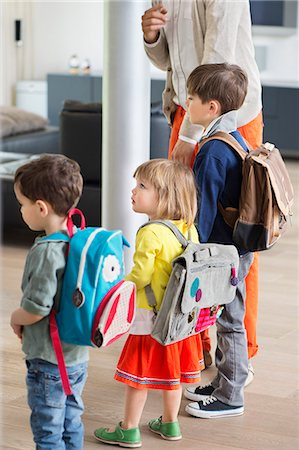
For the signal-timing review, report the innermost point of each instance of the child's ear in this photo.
(43, 208)
(215, 107)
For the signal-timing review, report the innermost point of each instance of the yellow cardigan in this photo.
(156, 247)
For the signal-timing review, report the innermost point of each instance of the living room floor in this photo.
(270, 421)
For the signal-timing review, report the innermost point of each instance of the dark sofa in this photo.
(79, 137)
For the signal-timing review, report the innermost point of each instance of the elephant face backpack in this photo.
(203, 278)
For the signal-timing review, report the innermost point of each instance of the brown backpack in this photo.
(266, 197)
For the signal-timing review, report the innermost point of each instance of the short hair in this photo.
(55, 179)
(226, 83)
(176, 188)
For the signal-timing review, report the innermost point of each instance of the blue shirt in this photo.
(218, 173)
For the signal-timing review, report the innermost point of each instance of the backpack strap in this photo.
(228, 139)
(150, 296)
(54, 333)
(167, 223)
(56, 342)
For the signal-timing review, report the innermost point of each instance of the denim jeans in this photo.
(55, 418)
(231, 356)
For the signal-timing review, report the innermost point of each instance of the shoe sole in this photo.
(120, 444)
(195, 397)
(213, 414)
(167, 438)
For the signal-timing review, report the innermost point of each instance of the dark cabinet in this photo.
(61, 87)
(281, 118)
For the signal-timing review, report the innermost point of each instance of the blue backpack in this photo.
(96, 305)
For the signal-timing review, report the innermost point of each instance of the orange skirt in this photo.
(146, 364)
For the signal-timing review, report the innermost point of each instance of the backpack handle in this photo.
(70, 224)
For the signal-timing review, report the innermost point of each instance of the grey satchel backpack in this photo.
(203, 277)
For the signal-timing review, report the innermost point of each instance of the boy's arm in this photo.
(44, 268)
(19, 318)
(22, 317)
(210, 177)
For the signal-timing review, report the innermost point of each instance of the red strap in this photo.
(70, 225)
(59, 354)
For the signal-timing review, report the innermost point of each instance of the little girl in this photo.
(164, 190)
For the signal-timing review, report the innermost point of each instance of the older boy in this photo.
(215, 93)
(47, 188)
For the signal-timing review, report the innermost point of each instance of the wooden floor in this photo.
(270, 421)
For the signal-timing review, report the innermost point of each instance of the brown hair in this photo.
(55, 179)
(226, 83)
(176, 188)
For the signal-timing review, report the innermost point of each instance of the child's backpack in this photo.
(96, 305)
(266, 198)
(202, 277)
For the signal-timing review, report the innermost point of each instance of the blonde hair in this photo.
(175, 186)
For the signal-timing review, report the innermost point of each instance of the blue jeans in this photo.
(55, 418)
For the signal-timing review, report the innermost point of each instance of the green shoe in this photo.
(168, 430)
(124, 438)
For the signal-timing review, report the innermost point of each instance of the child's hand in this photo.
(17, 329)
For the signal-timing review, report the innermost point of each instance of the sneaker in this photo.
(198, 393)
(207, 357)
(124, 438)
(168, 430)
(250, 375)
(211, 408)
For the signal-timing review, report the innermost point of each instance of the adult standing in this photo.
(180, 35)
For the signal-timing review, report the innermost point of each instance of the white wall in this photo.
(61, 29)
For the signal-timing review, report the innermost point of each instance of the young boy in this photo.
(215, 93)
(47, 188)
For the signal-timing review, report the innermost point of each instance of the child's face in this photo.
(144, 198)
(199, 112)
(30, 211)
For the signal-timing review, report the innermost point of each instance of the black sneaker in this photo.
(198, 393)
(211, 408)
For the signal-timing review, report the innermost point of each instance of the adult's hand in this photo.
(152, 21)
(183, 152)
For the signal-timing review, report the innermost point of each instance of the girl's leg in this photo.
(171, 404)
(134, 404)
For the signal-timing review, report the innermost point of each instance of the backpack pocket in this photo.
(115, 314)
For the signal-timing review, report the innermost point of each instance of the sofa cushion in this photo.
(14, 120)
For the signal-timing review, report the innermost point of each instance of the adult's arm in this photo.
(155, 43)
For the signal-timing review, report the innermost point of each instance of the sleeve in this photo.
(148, 245)
(190, 131)
(158, 52)
(45, 268)
(223, 18)
(210, 177)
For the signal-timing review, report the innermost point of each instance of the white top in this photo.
(201, 32)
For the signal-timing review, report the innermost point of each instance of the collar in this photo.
(226, 122)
